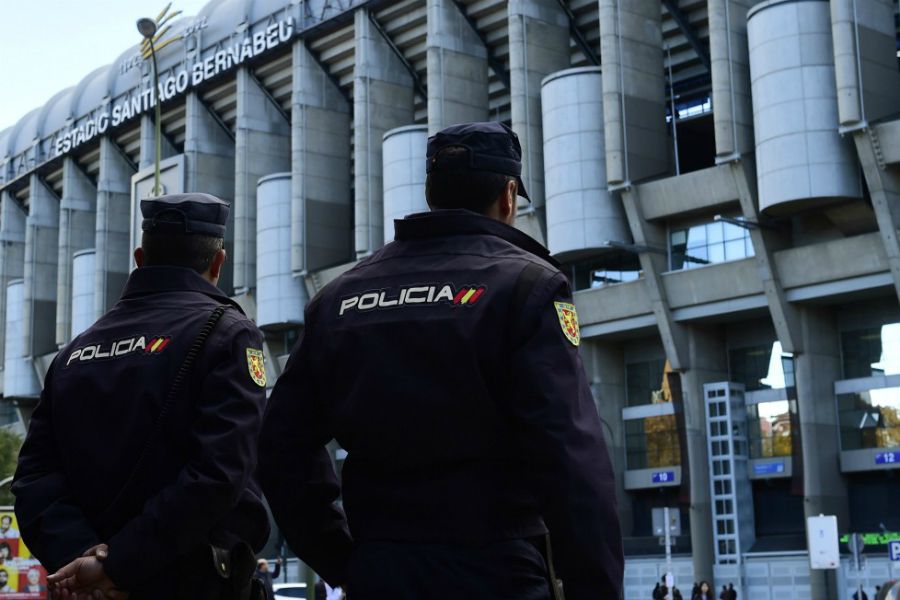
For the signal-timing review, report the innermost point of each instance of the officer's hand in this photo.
(278, 561)
(100, 552)
(84, 579)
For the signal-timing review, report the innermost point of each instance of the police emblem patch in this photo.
(568, 321)
(257, 367)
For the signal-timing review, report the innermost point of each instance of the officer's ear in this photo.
(508, 202)
(139, 257)
(215, 265)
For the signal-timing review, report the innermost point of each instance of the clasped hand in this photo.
(85, 579)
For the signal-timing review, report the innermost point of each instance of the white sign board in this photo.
(894, 550)
(822, 539)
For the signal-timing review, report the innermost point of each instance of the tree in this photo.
(10, 444)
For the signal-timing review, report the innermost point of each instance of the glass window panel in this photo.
(733, 232)
(696, 236)
(652, 442)
(716, 253)
(870, 419)
(735, 250)
(871, 351)
(679, 237)
(715, 233)
(769, 425)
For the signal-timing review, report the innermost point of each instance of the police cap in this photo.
(201, 214)
(491, 147)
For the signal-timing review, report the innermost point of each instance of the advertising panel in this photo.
(21, 576)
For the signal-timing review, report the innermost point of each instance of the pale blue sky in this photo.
(49, 45)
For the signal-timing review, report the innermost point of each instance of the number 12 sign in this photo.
(887, 458)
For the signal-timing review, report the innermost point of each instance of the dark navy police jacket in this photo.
(467, 418)
(100, 401)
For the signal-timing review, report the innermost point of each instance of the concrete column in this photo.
(730, 65)
(708, 360)
(12, 254)
(209, 167)
(867, 81)
(321, 203)
(113, 226)
(148, 144)
(77, 225)
(538, 46)
(41, 254)
(634, 111)
(262, 147)
(457, 68)
(382, 100)
(824, 489)
(605, 365)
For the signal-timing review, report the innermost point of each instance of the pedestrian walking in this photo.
(267, 577)
(447, 365)
(136, 476)
(703, 592)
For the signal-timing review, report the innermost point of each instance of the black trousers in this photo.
(508, 570)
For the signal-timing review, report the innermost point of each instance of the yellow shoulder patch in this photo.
(568, 321)
(257, 366)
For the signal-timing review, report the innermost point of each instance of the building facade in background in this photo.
(720, 179)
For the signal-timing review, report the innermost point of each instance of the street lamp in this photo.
(147, 28)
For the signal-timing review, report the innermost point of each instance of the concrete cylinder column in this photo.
(113, 226)
(12, 253)
(581, 213)
(866, 26)
(457, 68)
(41, 255)
(280, 297)
(262, 145)
(730, 66)
(800, 157)
(634, 100)
(77, 227)
(82, 293)
(538, 46)
(321, 202)
(382, 100)
(404, 174)
(19, 378)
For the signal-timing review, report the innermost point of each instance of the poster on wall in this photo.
(21, 575)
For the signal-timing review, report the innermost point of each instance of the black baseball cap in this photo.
(491, 147)
(201, 214)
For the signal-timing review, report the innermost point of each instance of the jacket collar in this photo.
(154, 280)
(458, 221)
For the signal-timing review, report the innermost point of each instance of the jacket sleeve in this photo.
(50, 521)
(222, 458)
(559, 431)
(296, 470)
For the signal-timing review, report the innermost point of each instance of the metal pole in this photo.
(859, 585)
(157, 189)
(668, 527)
(674, 112)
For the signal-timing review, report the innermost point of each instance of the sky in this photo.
(49, 45)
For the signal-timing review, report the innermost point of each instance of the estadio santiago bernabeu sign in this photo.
(176, 84)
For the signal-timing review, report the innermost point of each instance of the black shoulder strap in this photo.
(177, 383)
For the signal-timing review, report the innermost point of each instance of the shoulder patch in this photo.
(257, 366)
(568, 321)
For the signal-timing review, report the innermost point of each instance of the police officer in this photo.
(141, 452)
(447, 365)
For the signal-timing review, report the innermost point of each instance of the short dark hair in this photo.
(463, 188)
(170, 249)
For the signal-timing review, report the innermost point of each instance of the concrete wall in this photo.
(457, 78)
(262, 146)
(382, 100)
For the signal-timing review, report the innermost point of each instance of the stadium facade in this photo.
(719, 177)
